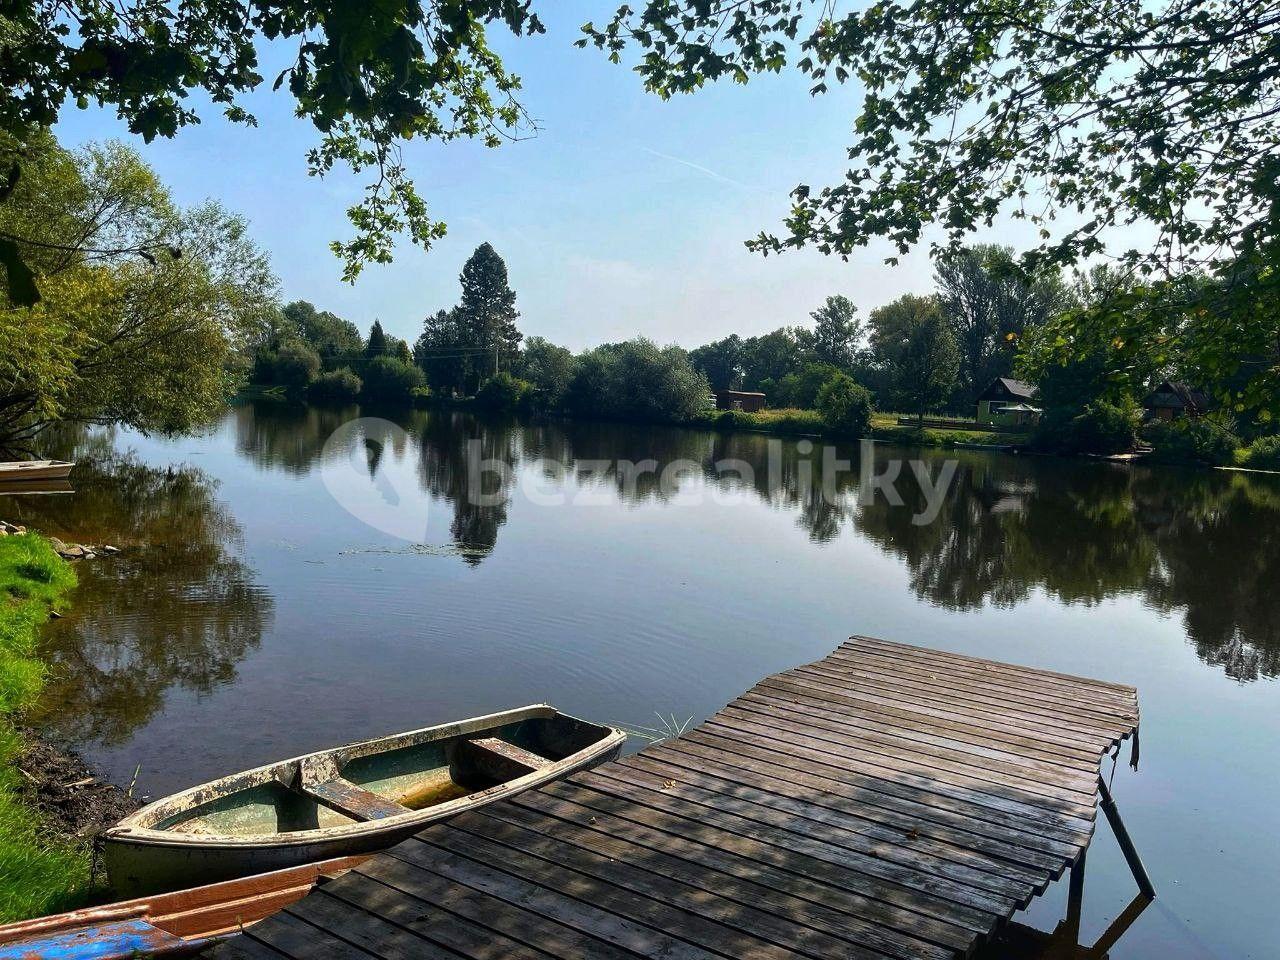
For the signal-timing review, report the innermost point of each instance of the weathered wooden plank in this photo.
(369, 932)
(996, 667)
(711, 832)
(920, 694)
(348, 799)
(802, 801)
(596, 919)
(932, 707)
(498, 759)
(891, 783)
(765, 829)
(430, 892)
(625, 893)
(1021, 718)
(1015, 846)
(108, 940)
(868, 922)
(727, 853)
(295, 937)
(1075, 790)
(779, 812)
(1052, 771)
(1031, 688)
(914, 773)
(431, 920)
(244, 948)
(856, 709)
(641, 873)
(986, 697)
(604, 907)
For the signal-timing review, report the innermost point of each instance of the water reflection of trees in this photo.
(286, 436)
(1202, 545)
(444, 467)
(1198, 545)
(177, 608)
(1219, 546)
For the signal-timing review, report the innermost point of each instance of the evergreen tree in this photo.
(377, 345)
(488, 306)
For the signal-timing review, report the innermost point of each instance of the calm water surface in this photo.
(252, 617)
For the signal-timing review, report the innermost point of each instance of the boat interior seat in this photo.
(488, 759)
(499, 760)
(352, 801)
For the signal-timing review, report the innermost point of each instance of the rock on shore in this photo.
(68, 551)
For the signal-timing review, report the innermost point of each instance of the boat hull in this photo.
(137, 868)
(27, 470)
(347, 801)
(167, 924)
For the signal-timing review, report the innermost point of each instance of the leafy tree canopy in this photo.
(638, 380)
(1116, 111)
(368, 76)
(1078, 116)
(327, 333)
(845, 405)
(444, 351)
(548, 367)
(837, 333)
(912, 340)
(800, 389)
(458, 347)
(989, 305)
(768, 358)
(720, 362)
(147, 342)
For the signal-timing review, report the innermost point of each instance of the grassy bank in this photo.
(39, 872)
(884, 427)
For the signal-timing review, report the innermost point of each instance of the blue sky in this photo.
(624, 216)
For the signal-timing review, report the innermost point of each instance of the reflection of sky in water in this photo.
(262, 619)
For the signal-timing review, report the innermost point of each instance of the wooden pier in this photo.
(886, 801)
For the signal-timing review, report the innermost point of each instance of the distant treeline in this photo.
(919, 354)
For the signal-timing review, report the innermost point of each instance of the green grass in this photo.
(785, 421)
(884, 427)
(39, 873)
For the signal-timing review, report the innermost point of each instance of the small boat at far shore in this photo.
(348, 800)
(26, 470)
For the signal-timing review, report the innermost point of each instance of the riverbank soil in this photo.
(65, 793)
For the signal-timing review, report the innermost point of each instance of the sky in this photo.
(625, 215)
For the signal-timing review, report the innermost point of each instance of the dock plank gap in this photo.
(886, 801)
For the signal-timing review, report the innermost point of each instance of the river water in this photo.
(283, 588)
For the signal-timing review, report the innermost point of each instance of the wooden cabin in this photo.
(1173, 399)
(745, 400)
(1007, 402)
